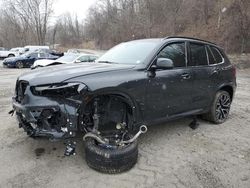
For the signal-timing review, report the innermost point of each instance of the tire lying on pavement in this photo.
(110, 160)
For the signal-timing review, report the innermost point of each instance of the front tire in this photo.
(19, 65)
(220, 108)
(110, 160)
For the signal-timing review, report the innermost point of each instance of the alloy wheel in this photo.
(223, 107)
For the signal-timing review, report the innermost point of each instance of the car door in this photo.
(31, 59)
(169, 92)
(203, 78)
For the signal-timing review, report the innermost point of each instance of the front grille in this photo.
(20, 90)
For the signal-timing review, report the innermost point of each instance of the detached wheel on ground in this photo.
(108, 159)
(19, 65)
(220, 108)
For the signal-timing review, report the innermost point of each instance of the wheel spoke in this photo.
(222, 107)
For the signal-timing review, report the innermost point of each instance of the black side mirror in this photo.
(164, 63)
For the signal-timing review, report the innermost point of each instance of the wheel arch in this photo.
(129, 100)
(227, 88)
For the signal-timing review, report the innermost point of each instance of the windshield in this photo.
(133, 52)
(68, 58)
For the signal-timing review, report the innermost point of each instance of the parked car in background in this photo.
(68, 58)
(52, 52)
(3, 49)
(31, 48)
(26, 60)
(72, 51)
(11, 53)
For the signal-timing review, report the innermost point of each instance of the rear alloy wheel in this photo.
(19, 64)
(110, 159)
(220, 108)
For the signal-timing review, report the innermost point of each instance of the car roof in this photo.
(180, 38)
(83, 54)
(189, 39)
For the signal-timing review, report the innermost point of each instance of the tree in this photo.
(35, 14)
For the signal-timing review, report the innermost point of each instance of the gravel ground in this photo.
(170, 155)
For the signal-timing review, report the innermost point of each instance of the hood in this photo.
(60, 73)
(43, 62)
(10, 59)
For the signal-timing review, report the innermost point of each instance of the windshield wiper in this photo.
(109, 62)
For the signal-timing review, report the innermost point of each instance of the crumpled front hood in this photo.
(60, 73)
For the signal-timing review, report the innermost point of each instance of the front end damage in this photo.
(49, 110)
(60, 110)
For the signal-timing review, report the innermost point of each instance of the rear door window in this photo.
(211, 57)
(176, 52)
(198, 55)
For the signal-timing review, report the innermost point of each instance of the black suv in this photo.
(134, 84)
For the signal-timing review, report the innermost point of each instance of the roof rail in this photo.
(192, 38)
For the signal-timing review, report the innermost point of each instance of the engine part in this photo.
(96, 137)
(143, 129)
(70, 148)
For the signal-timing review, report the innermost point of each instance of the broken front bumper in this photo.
(44, 116)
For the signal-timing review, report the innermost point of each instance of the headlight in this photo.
(60, 89)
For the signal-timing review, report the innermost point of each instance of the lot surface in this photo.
(170, 155)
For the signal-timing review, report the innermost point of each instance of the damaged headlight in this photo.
(60, 89)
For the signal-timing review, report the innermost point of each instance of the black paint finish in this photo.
(155, 94)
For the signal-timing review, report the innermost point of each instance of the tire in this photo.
(108, 160)
(220, 108)
(19, 65)
(11, 55)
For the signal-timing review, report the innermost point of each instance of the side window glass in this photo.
(83, 59)
(42, 55)
(175, 52)
(216, 55)
(211, 57)
(92, 58)
(198, 54)
(33, 55)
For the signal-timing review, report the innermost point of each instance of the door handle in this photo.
(185, 76)
(215, 71)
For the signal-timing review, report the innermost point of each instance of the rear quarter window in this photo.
(216, 54)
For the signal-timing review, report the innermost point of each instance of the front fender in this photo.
(131, 101)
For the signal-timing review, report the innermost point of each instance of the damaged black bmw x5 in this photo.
(136, 83)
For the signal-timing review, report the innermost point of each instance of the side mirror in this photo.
(164, 63)
(78, 61)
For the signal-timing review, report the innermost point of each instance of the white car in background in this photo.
(66, 59)
(13, 52)
(32, 48)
